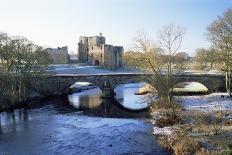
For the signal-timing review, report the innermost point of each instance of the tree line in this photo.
(166, 56)
(20, 62)
(219, 56)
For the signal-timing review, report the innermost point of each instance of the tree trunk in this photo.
(169, 80)
(229, 84)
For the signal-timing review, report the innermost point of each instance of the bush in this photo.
(168, 120)
(181, 143)
(186, 146)
(171, 114)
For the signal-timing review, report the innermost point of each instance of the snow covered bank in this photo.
(207, 103)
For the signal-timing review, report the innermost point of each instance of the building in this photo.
(93, 50)
(59, 55)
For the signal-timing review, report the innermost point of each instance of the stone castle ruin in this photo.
(58, 55)
(93, 50)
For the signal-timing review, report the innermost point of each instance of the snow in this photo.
(207, 103)
(83, 68)
(190, 87)
(80, 84)
(204, 103)
(213, 71)
(162, 131)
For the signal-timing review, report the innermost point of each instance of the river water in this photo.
(81, 123)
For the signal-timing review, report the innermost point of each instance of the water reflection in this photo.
(123, 105)
(86, 99)
(126, 96)
(8, 120)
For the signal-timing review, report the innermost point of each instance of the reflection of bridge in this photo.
(58, 84)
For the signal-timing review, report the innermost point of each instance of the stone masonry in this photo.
(59, 55)
(93, 50)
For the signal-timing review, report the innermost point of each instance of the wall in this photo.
(59, 55)
(94, 49)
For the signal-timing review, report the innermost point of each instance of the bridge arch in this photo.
(81, 86)
(211, 82)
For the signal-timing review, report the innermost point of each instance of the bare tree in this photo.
(21, 61)
(149, 57)
(220, 34)
(180, 60)
(170, 39)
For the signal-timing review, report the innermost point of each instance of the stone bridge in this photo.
(59, 84)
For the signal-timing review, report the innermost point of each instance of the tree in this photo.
(21, 61)
(206, 58)
(147, 56)
(180, 60)
(220, 34)
(212, 57)
(201, 58)
(170, 38)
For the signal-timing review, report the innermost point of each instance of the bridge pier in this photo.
(107, 91)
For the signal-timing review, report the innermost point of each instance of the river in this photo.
(81, 123)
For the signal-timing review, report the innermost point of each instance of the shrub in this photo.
(186, 146)
(171, 114)
(181, 143)
(168, 119)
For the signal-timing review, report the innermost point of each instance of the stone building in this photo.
(93, 50)
(59, 55)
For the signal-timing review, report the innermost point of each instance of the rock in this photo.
(145, 90)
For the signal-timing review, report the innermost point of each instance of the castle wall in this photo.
(58, 55)
(96, 55)
(94, 51)
(82, 52)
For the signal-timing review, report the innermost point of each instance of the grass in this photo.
(198, 133)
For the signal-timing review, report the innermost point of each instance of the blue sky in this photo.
(53, 23)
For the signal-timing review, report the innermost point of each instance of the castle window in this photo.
(92, 47)
(101, 55)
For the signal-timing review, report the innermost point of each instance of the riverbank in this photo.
(205, 125)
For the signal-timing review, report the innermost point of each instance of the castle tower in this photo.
(93, 50)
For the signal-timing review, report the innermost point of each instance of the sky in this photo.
(53, 23)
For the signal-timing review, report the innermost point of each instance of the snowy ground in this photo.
(83, 68)
(204, 103)
(207, 103)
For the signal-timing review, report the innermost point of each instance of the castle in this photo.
(58, 55)
(93, 50)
